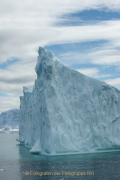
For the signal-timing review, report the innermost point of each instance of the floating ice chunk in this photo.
(2, 170)
(7, 129)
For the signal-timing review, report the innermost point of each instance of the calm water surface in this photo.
(16, 163)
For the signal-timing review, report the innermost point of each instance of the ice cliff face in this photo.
(9, 119)
(68, 112)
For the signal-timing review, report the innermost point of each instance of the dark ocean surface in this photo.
(16, 163)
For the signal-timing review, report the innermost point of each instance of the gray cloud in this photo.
(20, 80)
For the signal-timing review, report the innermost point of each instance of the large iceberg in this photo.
(68, 112)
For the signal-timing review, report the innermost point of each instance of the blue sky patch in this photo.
(9, 62)
(87, 16)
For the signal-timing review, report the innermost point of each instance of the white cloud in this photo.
(92, 72)
(102, 55)
(71, 58)
(118, 68)
(95, 73)
(106, 30)
(101, 31)
(25, 25)
(9, 102)
(114, 82)
(106, 56)
(16, 76)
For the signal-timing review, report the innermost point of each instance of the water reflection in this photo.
(102, 166)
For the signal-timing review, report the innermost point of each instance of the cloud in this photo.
(114, 82)
(102, 55)
(105, 30)
(95, 73)
(26, 25)
(9, 102)
(92, 72)
(71, 58)
(16, 76)
(106, 57)
(24, 43)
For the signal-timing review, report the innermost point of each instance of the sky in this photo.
(84, 35)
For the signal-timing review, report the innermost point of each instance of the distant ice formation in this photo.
(68, 112)
(9, 120)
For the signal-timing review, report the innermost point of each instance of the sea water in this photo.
(16, 162)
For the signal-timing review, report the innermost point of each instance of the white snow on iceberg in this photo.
(68, 112)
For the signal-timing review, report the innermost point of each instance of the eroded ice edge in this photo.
(68, 112)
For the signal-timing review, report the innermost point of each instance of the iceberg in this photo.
(67, 112)
(6, 129)
(9, 120)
